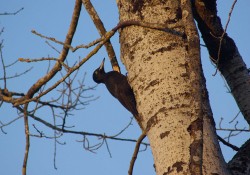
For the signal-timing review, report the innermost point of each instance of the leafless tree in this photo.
(160, 49)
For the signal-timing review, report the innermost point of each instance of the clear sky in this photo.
(104, 115)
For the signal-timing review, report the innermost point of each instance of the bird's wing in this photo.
(118, 86)
(126, 97)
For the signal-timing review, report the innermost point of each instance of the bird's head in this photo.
(99, 73)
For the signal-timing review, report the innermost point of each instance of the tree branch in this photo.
(137, 147)
(4, 71)
(27, 137)
(63, 55)
(12, 13)
(103, 136)
(222, 36)
(101, 29)
(235, 148)
(231, 64)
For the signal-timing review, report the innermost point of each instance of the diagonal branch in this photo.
(107, 36)
(100, 42)
(222, 36)
(101, 29)
(63, 55)
(12, 13)
(137, 146)
(235, 148)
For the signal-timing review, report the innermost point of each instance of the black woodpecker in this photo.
(118, 86)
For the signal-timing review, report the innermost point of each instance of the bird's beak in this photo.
(102, 64)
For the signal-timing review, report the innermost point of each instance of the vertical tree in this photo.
(165, 72)
(160, 49)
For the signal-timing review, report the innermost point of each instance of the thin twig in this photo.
(107, 146)
(235, 117)
(12, 13)
(94, 51)
(8, 123)
(57, 67)
(232, 130)
(221, 120)
(73, 49)
(42, 135)
(126, 127)
(54, 127)
(103, 40)
(27, 60)
(4, 70)
(2, 30)
(137, 147)
(235, 148)
(55, 139)
(18, 74)
(101, 29)
(54, 157)
(52, 47)
(11, 64)
(222, 37)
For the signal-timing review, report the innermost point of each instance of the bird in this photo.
(118, 86)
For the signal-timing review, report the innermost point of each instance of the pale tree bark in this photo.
(165, 73)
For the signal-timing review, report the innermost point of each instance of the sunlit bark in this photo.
(165, 73)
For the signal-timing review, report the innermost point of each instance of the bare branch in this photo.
(17, 74)
(137, 147)
(232, 130)
(94, 51)
(222, 36)
(78, 132)
(91, 148)
(7, 96)
(52, 47)
(11, 64)
(126, 127)
(27, 60)
(235, 117)
(156, 26)
(101, 29)
(2, 30)
(12, 13)
(235, 148)
(27, 137)
(73, 49)
(103, 40)
(42, 135)
(63, 55)
(8, 123)
(56, 41)
(107, 146)
(4, 71)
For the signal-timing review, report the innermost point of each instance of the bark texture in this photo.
(165, 73)
(224, 53)
(240, 164)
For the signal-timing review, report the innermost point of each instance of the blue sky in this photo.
(104, 115)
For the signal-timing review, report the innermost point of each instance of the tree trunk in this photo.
(240, 164)
(231, 65)
(165, 73)
(224, 53)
